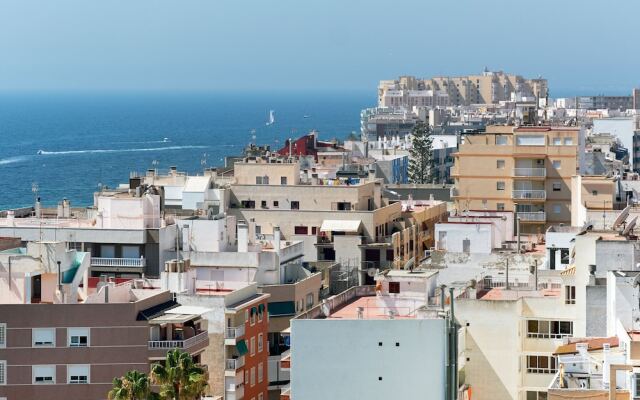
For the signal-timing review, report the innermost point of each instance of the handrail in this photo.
(178, 344)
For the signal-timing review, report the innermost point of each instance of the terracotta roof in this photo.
(592, 344)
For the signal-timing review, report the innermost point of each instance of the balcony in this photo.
(529, 195)
(118, 262)
(530, 172)
(232, 334)
(178, 344)
(233, 364)
(536, 216)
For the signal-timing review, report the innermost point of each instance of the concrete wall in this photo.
(596, 323)
(451, 237)
(353, 365)
(246, 173)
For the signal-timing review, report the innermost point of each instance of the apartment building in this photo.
(511, 330)
(525, 169)
(124, 231)
(489, 87)
(385, 342)
(57, 347)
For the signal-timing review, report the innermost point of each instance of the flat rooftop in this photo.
(378, 307)
(497, 294)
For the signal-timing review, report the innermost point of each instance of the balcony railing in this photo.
(178, 344)
(530, 172)
(234, 363)
(536, 216)
(234, 333)
(118, 262)
(529, 194)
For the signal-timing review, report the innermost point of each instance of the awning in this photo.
(189, 310)
(335, 225)
(173, 319)
(156, 310)
(282, 308)
(241, 346)
(260, 308)
(254, 311)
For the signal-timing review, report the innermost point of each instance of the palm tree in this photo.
(134, 385)
(179, 377)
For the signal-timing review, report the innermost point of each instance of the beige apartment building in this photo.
(526, 169)
(489, 87)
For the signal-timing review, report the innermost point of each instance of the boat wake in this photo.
(12, 160)
(49, 153)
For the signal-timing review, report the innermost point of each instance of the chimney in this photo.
(151, 172)
(276, 239)
(60, 211)
(314, 179)
(66, 208)
(173, 170)
(243, 238)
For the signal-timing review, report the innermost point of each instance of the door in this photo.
(466, 246)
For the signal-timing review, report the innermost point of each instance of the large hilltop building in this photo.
(487, 88)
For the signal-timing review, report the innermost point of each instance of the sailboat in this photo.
(272, 118)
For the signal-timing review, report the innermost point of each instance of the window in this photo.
(557, 141)
(536, 395)
(262, 180)
(295, 205)
(78, 337)
(254, 311)
(276, 203)
(564, 256)
(78, 373)
(3, 335)
(260, 372)
(43, 337)
(500, 164)
(263, 204)
(309, 300)
(283, 180)
(44, 374)
(260, 344)
(557, 208)
(3, 372)
(130, 252)
(252, 345)
(557, 186)
(569, 295)
(636, 385)
(260, 396)
(500, 206)
(530, 140)
(541, 365)
(107, 251)
(253, 376)
(300, 230)
(594, 192)
(549, 329)
(394, 287)
(568, 141)
(248, 204)
(500, 185)
(556, 164)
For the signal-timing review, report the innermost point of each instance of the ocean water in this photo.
(91, 138)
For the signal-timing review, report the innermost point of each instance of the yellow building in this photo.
(525, 169)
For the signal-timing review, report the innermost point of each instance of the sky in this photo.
(582, 47)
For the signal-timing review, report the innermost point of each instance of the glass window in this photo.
(260, 344)
(130, 252)
(253, 376)
(260, 373)
(78, 337)
(44, 374)
(556, 164)
(43, 337)
(500, 164)
(569, 295)
(3, 372)
(3, 335)
(283, 180)
(107, 251)
(252, 345)
(501, 140)
(594, 192)
(500, 206)
(541, 365)
(394, 287)
(275, 203)
(557, 208)
(557, 186)
(557, 141)
(530, 140)
(500, 185)
(568, 141)
(309, 300)
(295, 205)
(78, 373)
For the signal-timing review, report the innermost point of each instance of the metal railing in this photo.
(118, 262)
(178, 344)
(234, 333)
(536, 216)
(529, 194)
(530, 172)
(234, 363)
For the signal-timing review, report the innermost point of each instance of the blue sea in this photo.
(88, 139)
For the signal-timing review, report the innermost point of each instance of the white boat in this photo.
(40, 152)
(272, 118)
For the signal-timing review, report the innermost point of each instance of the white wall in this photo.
(341, 359)
(480, 235)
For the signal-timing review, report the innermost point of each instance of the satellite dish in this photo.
(371, 272)
(630, 226)
(622, 217)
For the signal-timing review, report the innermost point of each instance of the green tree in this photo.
(421, 154)
(134, 385)
(179, 377)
